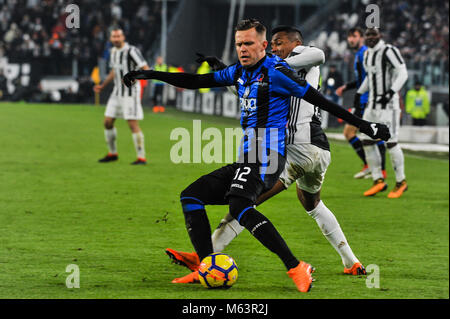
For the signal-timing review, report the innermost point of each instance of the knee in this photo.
(349, 133)
(239, 206)
(192, 195)
(190, 203)
(134, 126)
(108, 123)
(308, 200)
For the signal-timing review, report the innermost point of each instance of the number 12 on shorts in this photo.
(245, 171)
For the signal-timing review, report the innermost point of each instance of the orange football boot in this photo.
(378, 186)
(398, 189)
(189, 260)
(192, 278)
(356, 270)
(301, 275)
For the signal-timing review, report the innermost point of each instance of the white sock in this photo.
(110, 137)
(227, 230)
(138, 140)
(332, 231)
(398, 162)
(373, 158)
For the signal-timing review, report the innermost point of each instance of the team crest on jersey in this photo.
(260, 77)
(240, 81)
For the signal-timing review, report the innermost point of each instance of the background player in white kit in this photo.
(307, 160)
(124, 102)
(386, 75)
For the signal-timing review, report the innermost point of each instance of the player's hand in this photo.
(340, 90)
(214, 62)
(98, 88)
(130, 78)
(384, 99)
(375, 130)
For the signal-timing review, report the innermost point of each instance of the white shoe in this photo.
(368, 176)
(364, 173)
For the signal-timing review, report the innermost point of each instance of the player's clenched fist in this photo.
(375, 130)
(130, 78)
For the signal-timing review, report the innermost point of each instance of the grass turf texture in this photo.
(59, 207)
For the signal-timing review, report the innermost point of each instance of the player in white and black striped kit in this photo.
(124, 102)
(386, 75)
(308, 157)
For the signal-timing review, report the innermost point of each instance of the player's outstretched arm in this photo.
(182, 80)
(374, 130)
(286, 82)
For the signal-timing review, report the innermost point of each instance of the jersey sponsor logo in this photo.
(237, 186)
(247, 105)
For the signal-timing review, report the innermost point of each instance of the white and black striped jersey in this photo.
(122, 61)
(386, 71)
(304, 124)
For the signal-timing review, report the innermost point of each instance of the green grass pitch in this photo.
(58, 206)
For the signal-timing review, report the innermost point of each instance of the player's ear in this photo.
(265, 44)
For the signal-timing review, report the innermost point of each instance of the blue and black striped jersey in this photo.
(264, 92)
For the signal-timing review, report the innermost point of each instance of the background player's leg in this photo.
(382, 148)
(138, 138)
(373, 157)
(398, 161)
(110, 134)
(350, 134)
(328, 224)
(262, 229)
(228, 229)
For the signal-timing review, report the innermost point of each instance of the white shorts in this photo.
(125, 107)
(389, 117)
(306, 164)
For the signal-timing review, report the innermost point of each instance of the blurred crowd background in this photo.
(33, 35)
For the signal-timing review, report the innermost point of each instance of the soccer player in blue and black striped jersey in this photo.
(355, 40)
(265, 84)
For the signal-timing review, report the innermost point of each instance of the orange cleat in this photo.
(301, 275)
(356, 270)
(378, 186)
(159, 109)
(398, 189)
(192, 278)
(189, 260)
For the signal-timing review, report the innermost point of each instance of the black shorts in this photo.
(246, 179)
